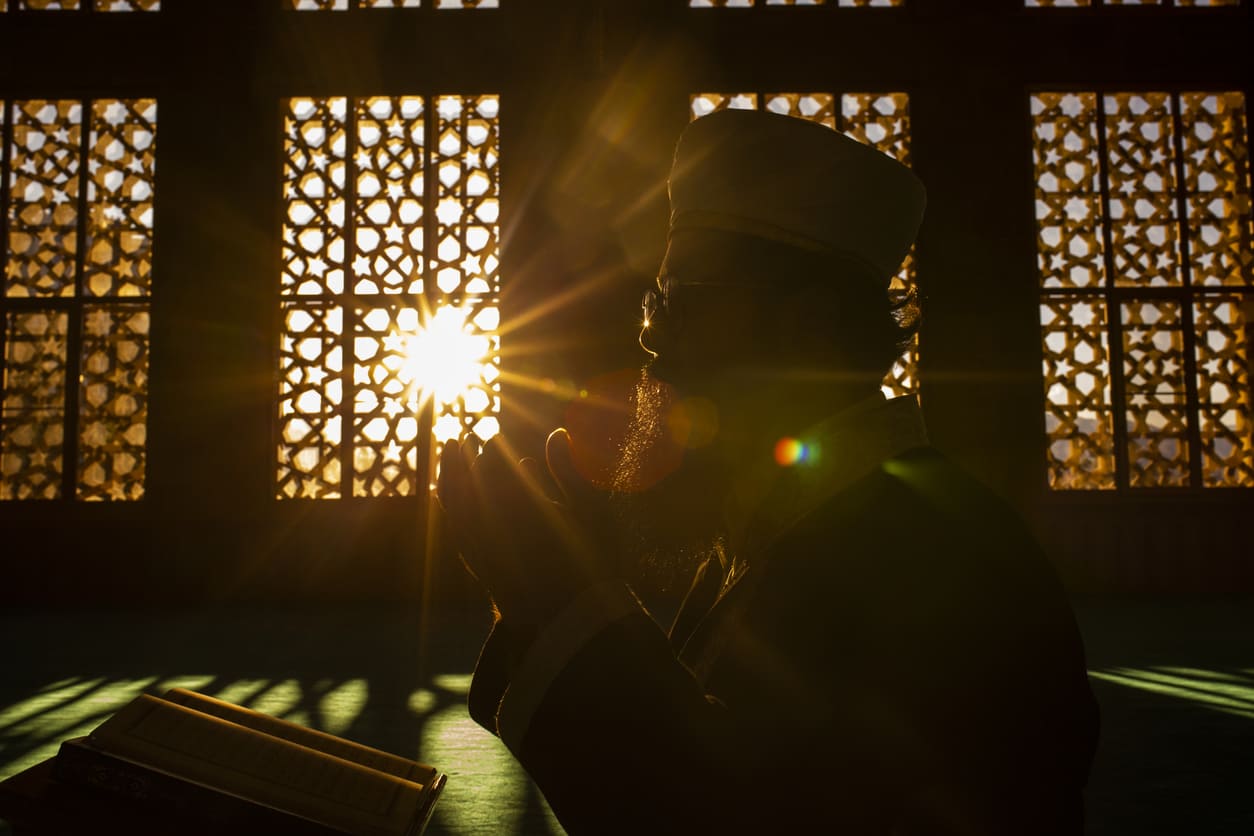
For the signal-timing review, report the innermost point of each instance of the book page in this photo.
(277, 772)
(341, 748)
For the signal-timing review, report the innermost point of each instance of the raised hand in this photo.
(519, 533)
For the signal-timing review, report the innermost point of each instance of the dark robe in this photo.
(901, 660)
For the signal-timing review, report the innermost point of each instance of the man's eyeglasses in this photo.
(653, 303)
(660, 305)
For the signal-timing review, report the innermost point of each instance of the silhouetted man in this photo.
(872, 643)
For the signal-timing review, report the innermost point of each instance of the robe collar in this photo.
(762, 507)
(769, 499)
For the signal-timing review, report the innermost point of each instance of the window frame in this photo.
(1114, 296)
(73, 305)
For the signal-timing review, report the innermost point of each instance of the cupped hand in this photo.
(533, 539)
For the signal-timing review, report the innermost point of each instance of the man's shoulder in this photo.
(922, 481)
(914, 513)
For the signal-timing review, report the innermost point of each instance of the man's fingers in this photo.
(493, 468)
(586, 500)
(561, 462)
(537, 481)
(450, 478)
(470, 450)
(502, 484)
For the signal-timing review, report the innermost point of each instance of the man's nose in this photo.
(653, 335)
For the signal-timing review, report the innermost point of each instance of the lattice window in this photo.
(1041, 4)
(1144, 255)
(744, 4)
(345, 5)
(389, 289)
(77, 282)
(81, 6)
(881, 120)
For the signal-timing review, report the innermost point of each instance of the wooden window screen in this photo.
(1144, 256)
(389, 289)
(78, 181)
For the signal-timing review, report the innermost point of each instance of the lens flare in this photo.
(792, 452)
(446, 357)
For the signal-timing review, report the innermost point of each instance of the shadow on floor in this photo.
(1175, 681)
(386, 680)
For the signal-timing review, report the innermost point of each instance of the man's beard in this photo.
(667, 501)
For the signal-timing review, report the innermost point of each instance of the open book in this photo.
(197, 756)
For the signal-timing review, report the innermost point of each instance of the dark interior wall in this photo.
(593, 95)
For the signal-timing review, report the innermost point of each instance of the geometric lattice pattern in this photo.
(78, 203)
(389, 179)
(1043, 4)
(120, 163)
(465, 265)
(79, 5)
(340, 5)
(1222, 325)
(1069, 226)
(1216, 162)
(128, 5)
(315, 189)
(881, 120)
(311, 394)
(386, 408)
(1154, 392)
(390, 284)
(1079, 419)
(1145, 192)
(35, 348)
(45, 156)
(113, 402)
(1141, 183)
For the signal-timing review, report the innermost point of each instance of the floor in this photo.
(1175, 680)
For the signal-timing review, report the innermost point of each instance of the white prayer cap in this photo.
(797, 182)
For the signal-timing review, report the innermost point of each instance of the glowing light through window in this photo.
(1143, 252)
(445, 357)
(75, 306)
(390, 289)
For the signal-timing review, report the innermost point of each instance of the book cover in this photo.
(193, 755)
